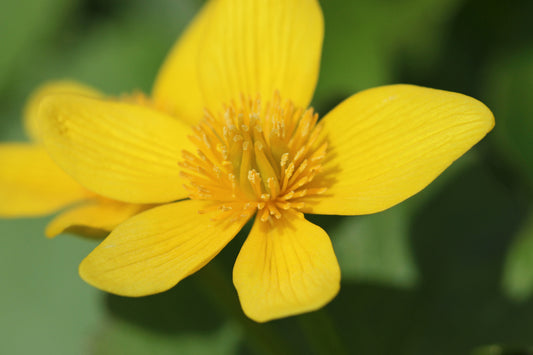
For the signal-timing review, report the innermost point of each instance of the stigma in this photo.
(255, 156)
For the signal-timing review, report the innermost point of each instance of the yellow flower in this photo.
(31, 184)
(249, 68)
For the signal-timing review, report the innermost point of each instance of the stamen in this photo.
(254, 157)
(284, 160)
(255, 181)
(274, 211)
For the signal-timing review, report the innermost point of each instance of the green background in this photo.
(449, 271)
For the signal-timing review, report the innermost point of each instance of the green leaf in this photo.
(363, 39)
(377, 248)
(509, 87)
(120, 337)
(518, 270)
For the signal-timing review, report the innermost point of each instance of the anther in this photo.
(284, 160)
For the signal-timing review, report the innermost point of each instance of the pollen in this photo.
(255, 157)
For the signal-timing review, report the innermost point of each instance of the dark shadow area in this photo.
(324, 106)
(373, 319)
(460, 239)
(93, 11)
(326, 222)
(473, 39)
(182, 309)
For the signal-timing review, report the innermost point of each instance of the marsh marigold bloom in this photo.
(246, 144)
(32, 185)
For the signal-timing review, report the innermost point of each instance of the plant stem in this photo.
(263, 338)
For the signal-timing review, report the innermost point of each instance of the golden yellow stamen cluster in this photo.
(255, 158)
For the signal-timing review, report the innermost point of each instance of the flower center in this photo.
(253, 157)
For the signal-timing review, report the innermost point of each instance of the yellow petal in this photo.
(388, 143)
(95, 218)
(176, 88)
(31, 110)
(285, 269)
(258, 47)
(156, 249)
(31, 184)
(121, 151)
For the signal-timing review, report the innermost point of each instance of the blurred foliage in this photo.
(509, 85)
(500, 350)
(449, 271)
(518, 272)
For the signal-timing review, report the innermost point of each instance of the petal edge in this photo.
(31, 184)
(388, 143)
(121, 151)
(152, 251)
(259, 47)
(285, 269)
(95, 218)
